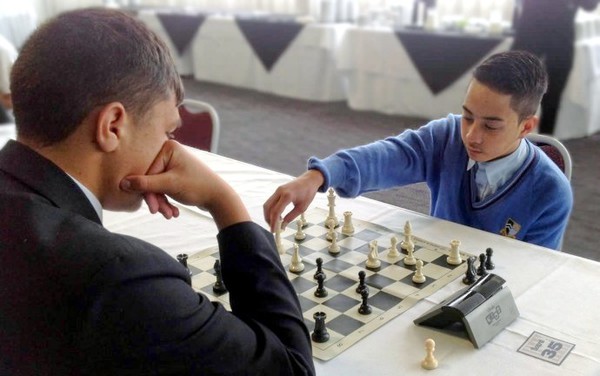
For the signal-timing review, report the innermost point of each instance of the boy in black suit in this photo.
(95, 98)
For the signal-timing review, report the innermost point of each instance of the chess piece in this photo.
(278, 242)
(481, 271)
(304, 221)
(319, 270)
(429, 362)
(329, 223)
(320, 333)
(454, 256)
(393, 251)
(334, 247)
(373, 262)
(410, 257)
(365, 308)
(182, 258)
(331, 205)
(296, 265)
(407, 238)
(219, 286)
(321, 292)
(348, 228)
(489, 264)
(361, 282)
(471, 273)
(419, 277)
(300, 235)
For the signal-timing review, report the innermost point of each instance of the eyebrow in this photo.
(489, 118)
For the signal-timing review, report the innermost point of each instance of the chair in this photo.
(200, 125)
(555, 150)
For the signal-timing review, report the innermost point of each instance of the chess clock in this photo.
(478, 312)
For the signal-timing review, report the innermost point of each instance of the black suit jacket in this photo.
(78, 299)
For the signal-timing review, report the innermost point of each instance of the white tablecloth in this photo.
(556, 293)
(381, 77)
(17, 21)
(579, 114)
(306, 70)
(183, 61)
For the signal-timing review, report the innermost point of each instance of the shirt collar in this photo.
(91, 197)
(500, 170)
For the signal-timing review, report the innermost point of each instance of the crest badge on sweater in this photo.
(511, 229)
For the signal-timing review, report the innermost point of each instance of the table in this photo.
(17, 21)
(556, 293)
(381, 75)
(579, 114)
(306, 69)
(178, 30)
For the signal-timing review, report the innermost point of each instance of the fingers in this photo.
(274, 207)
(270, 214)
(160, 204)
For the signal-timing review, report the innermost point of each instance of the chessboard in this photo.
(391, 289)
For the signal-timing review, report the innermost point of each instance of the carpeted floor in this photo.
(281, 134)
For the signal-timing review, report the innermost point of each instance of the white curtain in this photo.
(465, 8)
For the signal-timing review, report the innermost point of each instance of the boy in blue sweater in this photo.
(479, 167)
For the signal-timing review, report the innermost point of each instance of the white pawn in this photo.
(278, 242)
(454, 256)
(348, 228)
(303, 219)
(334, 247)
(429, 362)
(410, 258)
(296, 265)
(393, 251)
(300, 235)
(373, 256)
(419, 277)
(330, 224)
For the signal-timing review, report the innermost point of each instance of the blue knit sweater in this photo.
(534, 205)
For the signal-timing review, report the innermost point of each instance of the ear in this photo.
(529, 125)
(110, 126)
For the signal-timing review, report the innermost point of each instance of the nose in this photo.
(475, 134)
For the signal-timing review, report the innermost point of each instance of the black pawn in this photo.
(182, 258)
(219, 286)
(489, 264)
(361, 282)
(365, 308)
(319, 268)
(471, 273)
(481, 269)
(320, 292)
(320, 333)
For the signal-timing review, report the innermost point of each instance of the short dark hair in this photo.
(84, 59)
(519, 74)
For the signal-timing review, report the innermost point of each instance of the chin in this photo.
(130, 205)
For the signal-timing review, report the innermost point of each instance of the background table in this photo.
(556, 293)
(178, 29)
(381, 75)
(305, 70)
(17, 21)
